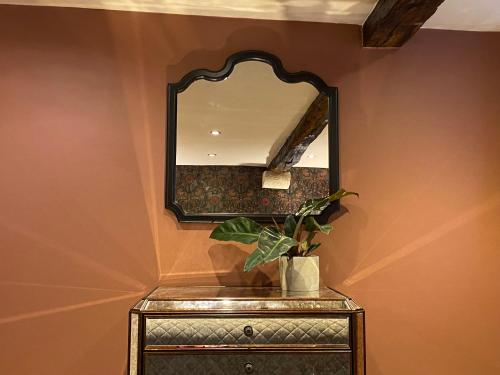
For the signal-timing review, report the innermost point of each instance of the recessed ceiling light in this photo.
(310, 156)
(215, 132)
(212, 155)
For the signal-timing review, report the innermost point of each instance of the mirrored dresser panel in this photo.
(238, 330)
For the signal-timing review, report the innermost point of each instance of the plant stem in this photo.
(296, 234)
(276, 224)
(298, 228)
(309, 238)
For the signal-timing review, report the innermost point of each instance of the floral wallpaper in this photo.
(238, 189)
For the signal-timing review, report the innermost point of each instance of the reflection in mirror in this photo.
(230, 131)
(250, 144)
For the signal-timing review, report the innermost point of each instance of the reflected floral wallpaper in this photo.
(238, 189)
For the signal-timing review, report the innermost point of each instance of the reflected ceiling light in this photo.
(212, 155)
(310, 156)
(215, 132)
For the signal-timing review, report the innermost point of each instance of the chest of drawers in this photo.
(229, 330)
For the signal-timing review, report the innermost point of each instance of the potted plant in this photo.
(291, 242)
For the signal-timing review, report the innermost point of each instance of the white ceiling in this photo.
(474, 15)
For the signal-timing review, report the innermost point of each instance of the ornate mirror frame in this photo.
(173, 89)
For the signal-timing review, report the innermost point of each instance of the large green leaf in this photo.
(289, 225)
(310, 236)
(312, 225)
(240, 229)
(317, 205)
(341, 194)
(271, 246)
(308, 207)
(254, 259)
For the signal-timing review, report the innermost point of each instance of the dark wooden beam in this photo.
(393, 22)
(308, 129)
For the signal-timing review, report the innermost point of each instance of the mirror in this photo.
(249, 140)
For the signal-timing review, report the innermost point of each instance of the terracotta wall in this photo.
(82, 229)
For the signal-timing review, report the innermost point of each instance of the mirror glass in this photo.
(250, 144)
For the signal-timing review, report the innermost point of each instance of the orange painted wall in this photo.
(83, 233)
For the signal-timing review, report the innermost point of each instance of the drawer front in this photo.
(248, 331)
(258, 363)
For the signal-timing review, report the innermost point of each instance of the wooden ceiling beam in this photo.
(393, 22)
(307, 130)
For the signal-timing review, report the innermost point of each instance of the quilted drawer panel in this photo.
(257, 363)
(248, 331)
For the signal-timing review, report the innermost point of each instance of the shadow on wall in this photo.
(232, 258)
(281, 42)
(215, 59)
(225, 267)
(228, 259)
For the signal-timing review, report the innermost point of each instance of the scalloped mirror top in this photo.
(253, 112)
(232, 135)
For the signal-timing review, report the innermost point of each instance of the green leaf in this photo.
(254, 259)
(310, 236)
(341, 194)
(290, 225)
(317, 205)
(240, 229)
(312, 225)
(309, 205)
(274, 229)
(271, 246)
(274, 244)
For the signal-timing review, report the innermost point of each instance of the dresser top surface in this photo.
(240, 293)
(240, 299)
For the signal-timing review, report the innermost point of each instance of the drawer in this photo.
(333, 363)
(314, 330)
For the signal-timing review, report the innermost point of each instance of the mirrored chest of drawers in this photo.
(232, 330)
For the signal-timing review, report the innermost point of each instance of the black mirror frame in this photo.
(173, 89)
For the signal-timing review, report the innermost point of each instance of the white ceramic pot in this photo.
(299, 274)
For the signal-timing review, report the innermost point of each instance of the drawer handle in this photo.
(248, 368)
(248, 330)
